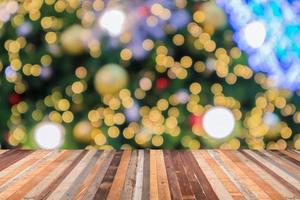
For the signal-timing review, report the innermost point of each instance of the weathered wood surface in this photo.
(149, 174)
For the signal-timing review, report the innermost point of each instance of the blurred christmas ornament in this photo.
(110, 79)
(218, 122)
(213, 14)
(74, 39)
(49, 135)
(82, 131)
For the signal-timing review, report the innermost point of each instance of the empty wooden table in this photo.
(149, 174)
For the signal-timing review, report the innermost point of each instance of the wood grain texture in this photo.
(267, 168)
(282, 189)
(172, 178)
(118, 183)
(162, 179)
(105, 185)
(149, 174)
(242, 175)
(212, 178)
(153, 176)
(130, 177)
(293, 155)
(235, 193)
(268, 189)
(184, 183)
(138, 187)
(146, 176)
(88, 186)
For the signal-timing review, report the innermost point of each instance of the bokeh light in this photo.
(218, 122)
(255, 34)
(150, 74)
(112, 21)
(49, 135)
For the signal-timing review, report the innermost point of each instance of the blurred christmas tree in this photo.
(139, 74)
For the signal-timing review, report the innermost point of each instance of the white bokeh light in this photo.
(49, 135)
(112, 21)
(255, 34)
(218, 122)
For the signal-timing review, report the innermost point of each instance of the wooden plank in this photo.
(272, 170)
(153, 176)
(11, 157)
(43, 172)
(7, 153)
(146, 176)
(16, 185)
(162, 179)
(273, 194)
(222, 176)
(25, 172)
(244, 177)
(212, 178)
(83, 170)
(44, 186)
(284, 164)
(202, 179)
(89, 187)
(248, 194)
(287, 159)
(185, 186)
(294, 151)
(191, 174)
(106, 183)
(2, 151)
(172, 178)
(17, 168)
(54, 184)
(293, 155)
(130, 177)
(277, 185)
(60, 190)
(276, 167)
(118, 183)
(138, 187)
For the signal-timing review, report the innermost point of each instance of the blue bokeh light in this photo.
(269, 32)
